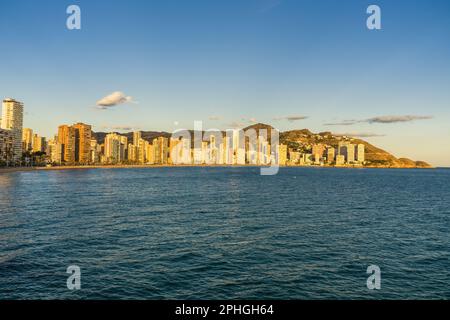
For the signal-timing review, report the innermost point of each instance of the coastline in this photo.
(25, 169)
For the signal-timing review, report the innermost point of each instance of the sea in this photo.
(225, 233)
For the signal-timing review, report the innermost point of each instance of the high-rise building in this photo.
(12, 119)
(340, 160)
(27, 139)
(114, 149)
(263, 153)
(360, 153)
(137, 136)
(150, 154)
(282, 154)
(186, 156)
(54, 151)
(318, 151)
(39, 143)
(161, 148)
(347, 150)
(213, 152)
(238, 147)
(142, 147)
(83, 136)
(66, 137)
(132, 153)
(175, 151)
(351, 153)
(95, 151)
(124, 142)
(6, 146)
(331, 152)
(227, 152)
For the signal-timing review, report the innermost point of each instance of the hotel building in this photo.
(83, 136)
(6, 146)
(12, 120)
(66, 137)
(27, 139)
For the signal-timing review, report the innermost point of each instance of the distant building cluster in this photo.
(231, 149)
(76, 145)
(346, 153)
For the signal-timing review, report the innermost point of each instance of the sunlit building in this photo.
(318, 151)
(360, 153)
(331, 152)
(39, 143)
(12, 119)
(161, 149)
(114, 149)
(282, 154)
(150, 154)
(340, 160)
(27, 139)
(6, 147)
(66, 137)
(54, 151)
(83, 136)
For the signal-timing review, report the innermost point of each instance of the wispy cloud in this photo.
(120, 128)
(214, 118)
(381, 119)
(236, 125)
(342, 123)
(114, 99)
(360, 134)
(396, 119)
(251, 120)
(291, 118)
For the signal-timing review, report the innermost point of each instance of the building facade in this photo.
(83, 136)
(27, 139)
(66, 137)
(12, 119)
(6, 147)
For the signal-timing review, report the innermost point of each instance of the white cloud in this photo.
(114, 99)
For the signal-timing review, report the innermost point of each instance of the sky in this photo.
(163, 64)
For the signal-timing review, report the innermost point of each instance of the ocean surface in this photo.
(225, 233)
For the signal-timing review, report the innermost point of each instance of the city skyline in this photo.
(257, 144)
(160, 66)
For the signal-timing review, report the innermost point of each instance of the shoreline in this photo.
(25, 169)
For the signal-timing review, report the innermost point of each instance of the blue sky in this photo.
(236, 61)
